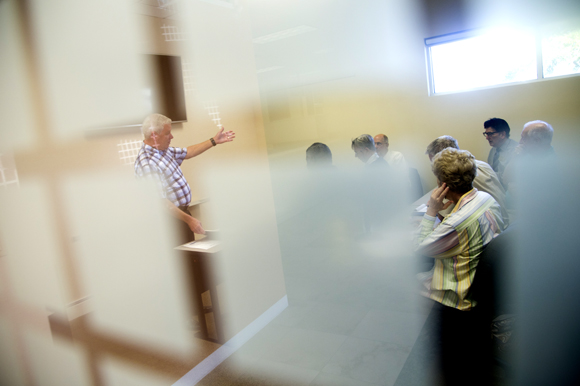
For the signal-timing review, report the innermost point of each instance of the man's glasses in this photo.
(489, 133)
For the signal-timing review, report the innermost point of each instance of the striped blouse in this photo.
(456, 244)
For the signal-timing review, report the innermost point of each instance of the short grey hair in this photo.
(319, 152)
(441, 143)
(154, 124)
(365, 141)
(541, 132)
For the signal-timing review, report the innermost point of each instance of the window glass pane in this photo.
(485, 60)
(561, 52)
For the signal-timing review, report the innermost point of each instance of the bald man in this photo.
(393, 158)
(536, 139)
(535, 147)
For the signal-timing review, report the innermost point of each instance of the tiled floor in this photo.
(352, 317)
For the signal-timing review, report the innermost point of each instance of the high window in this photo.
(474, 59)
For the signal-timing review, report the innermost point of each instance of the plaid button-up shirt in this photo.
(164, 167)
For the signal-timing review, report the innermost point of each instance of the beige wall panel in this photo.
(11, 366)
(89, 68)
(30, 244)
(124, 248)
(18, 129)
(242, 203)
(56, 362)
(151, 39)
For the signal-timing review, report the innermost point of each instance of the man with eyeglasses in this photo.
(497, 133)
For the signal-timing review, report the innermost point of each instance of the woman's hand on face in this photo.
(435, 203)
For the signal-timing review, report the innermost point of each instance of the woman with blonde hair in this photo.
(456, 244)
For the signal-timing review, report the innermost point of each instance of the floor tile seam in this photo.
(309, 330)
(348, 334)
(331, 302)
(263, 350)
(324, 362)
(356, 380)
(293, 365)
(297, 366)
(288, 330)
(353, 379)
(342, 376)
(400, 312)
(399, 346)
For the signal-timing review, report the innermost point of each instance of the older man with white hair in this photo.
(162, 162)
(365, 150)
(536, 139)
(535, 146)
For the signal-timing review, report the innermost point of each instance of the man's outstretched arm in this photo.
(219, 138)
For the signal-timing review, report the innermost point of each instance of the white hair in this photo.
(363, 141)
(441, 143)
(154, 124)
(540, 132)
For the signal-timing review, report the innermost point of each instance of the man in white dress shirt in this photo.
(365, 150)
(393, 158)
(373, 184)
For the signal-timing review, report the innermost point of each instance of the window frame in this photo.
(470, 33)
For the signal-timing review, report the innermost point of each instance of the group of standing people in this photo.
(471, 205)
(365, 147)
(535, 143)
(461, 179)
(477, 192)
(467, 209)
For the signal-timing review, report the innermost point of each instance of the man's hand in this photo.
(195, 225)
(435, 203)
(222, 137)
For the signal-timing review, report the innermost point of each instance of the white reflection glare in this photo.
(128, 151)
(172, 33)
(496, 57)
(302, 29)
(8, 172)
